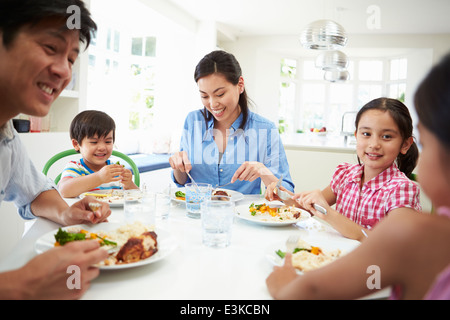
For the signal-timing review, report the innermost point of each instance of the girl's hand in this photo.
(307, 199)
(281, 276)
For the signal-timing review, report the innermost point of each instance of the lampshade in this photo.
(323, 35)
(336, 76)
(332, 60)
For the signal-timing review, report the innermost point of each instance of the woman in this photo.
(226, 142)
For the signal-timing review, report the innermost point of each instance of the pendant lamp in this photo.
(336, 76)
(323, 35)
(332, 60)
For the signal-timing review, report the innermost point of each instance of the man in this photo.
(37, 50)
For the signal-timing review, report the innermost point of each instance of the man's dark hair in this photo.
(14, 14)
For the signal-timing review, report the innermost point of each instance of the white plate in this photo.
(235, 195)
(325, 243)
(243, 212)
(166, 243)
(116, 201)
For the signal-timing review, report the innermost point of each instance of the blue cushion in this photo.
(150, 162)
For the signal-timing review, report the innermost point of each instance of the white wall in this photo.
(260, 59)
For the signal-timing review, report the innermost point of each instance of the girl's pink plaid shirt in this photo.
(366, 206)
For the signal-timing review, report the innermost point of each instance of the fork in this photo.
(113, 250)
(222, 186)
(320, 208)
(193, 181)
(291, 243)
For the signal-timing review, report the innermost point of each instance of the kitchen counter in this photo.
(313, 157)
(326, 142)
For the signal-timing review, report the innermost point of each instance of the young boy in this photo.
(93, 134)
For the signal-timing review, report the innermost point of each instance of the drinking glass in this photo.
(195, 195)
(162, 206)
(217, 221)
(139, 206)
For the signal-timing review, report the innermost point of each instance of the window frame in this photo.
(300, 124)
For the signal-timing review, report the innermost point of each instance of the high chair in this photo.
(71, 152)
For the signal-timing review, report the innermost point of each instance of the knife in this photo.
(320, 208)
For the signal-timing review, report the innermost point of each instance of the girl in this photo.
(225, 142)
(93, 133)
(365, 193)
(411, 250)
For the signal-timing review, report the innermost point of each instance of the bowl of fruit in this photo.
(320, 132)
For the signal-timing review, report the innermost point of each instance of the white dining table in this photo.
(193, 271)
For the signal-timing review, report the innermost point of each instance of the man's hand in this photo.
(45, 276)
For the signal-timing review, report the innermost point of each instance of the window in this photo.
(370, 70)
(144, 46)
(397, 79)
(122, 66)
(308, 101)
(287, 94)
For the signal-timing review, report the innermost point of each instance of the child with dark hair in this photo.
(366, 192)
(93, 135)
(410, 250)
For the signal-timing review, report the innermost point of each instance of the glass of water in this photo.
(162, 206)
(195, 195)
(217, 221)
(139, 206)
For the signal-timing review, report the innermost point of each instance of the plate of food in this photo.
(179, 194)
(113, 197)
(310, 254)
(273, 214)
(129, 245)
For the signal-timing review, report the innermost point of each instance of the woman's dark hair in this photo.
(16, 13)
(226, 64)
(432, 102)
(89, 123)
(400, 113)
